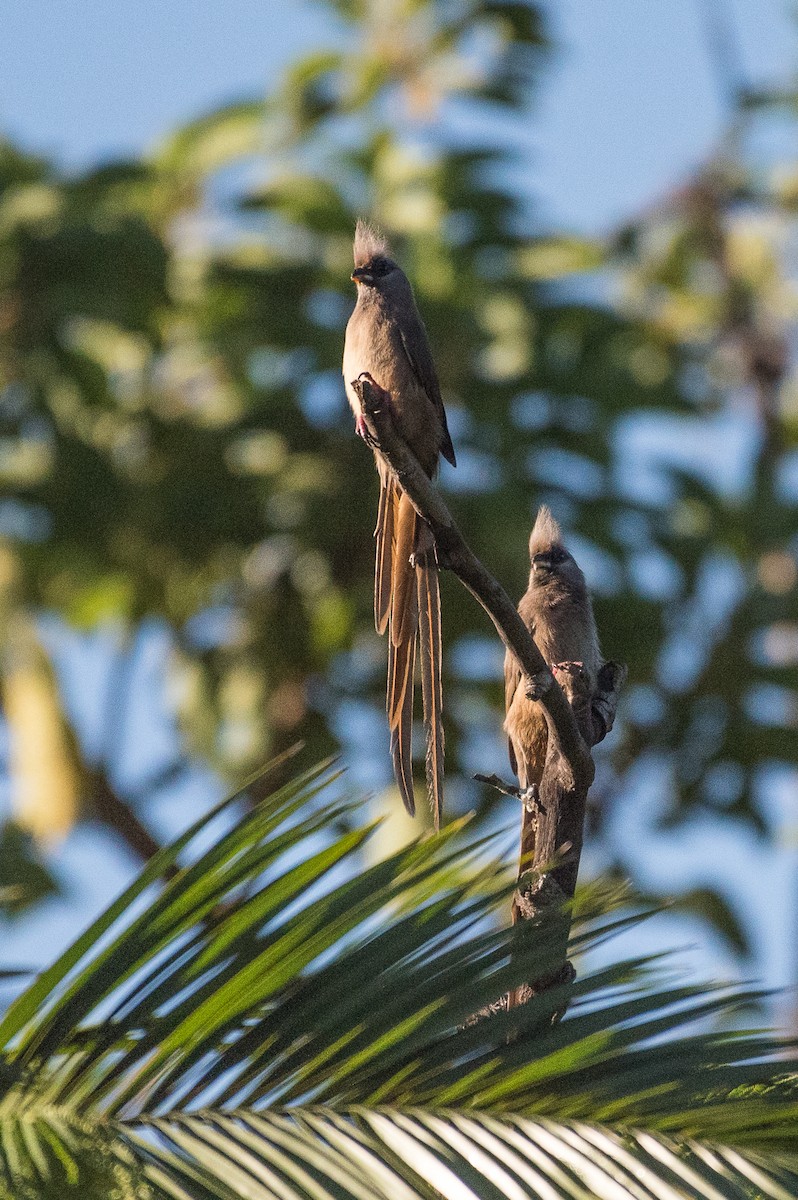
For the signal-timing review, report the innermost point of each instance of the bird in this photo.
(386, 340)
(557, 610)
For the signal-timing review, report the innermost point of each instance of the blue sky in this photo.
(629, 104)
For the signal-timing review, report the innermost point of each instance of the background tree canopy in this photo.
(180, 471)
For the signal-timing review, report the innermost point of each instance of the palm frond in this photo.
(281, 1005)
(384, 1154)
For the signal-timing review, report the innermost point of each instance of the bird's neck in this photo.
(369, 299)
(555, 594)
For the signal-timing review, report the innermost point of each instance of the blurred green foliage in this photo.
(174, 442)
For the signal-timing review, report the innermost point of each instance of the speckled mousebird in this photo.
(386, 339)
(557, 611)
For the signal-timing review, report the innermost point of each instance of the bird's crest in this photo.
(368, 243)
(545, 532)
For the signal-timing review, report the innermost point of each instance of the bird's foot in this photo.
(576, 684)
(569, 668)
(362, 429)
(537, 685)
(377, 392)
(375, 400)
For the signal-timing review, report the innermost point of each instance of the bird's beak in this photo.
(362, 275)
(542, 562)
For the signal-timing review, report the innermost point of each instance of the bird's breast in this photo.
(374, 344)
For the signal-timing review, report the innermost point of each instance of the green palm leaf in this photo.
(281, 1018)
(392, 1155)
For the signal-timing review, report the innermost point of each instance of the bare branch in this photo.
(456, 556)
(576, 719)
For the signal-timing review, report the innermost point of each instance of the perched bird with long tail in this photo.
(386, 341)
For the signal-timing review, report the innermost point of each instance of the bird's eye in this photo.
(380, 267)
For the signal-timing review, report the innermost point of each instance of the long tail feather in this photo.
(384, 534)
(403, 576)
(403, 625)
(401, 665)
(429, 627)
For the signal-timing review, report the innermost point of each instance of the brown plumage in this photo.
(386, 339)
(557, 611)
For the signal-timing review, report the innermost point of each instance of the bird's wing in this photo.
(416, 347)
(512, 678)
(429, 626)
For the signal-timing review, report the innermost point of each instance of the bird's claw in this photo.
(569, 668)
(384, 398)
(367, 378)
(362, 429)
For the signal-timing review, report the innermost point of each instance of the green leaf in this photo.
(342, 1008)
(222, 136)
(399, 1155)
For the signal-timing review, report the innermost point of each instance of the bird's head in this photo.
(374, 267)
(549, 560)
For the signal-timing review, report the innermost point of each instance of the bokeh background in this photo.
(597, 205)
